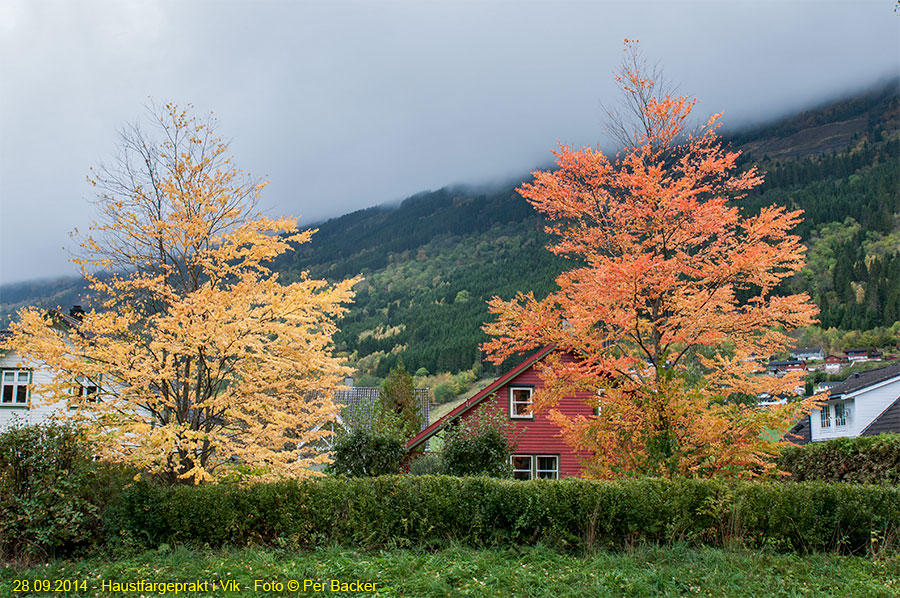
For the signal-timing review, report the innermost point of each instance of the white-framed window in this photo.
(598, 405)
(547, 467)
(529, 467)
(840, 415)
(520, 402)
(826, 416)
(522, 466)
(14, 389)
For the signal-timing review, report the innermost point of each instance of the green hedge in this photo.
(866, 460)
(52, 493)
(428, 511)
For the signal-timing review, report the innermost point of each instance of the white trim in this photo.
(15, 384)
(538, 471)
(529, 471)
(872, 387)
(529, 403)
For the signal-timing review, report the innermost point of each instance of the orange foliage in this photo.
(670, 305)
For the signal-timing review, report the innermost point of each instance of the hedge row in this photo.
(866, 459)
(428, 511)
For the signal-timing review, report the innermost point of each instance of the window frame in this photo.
(15, 403)
(513, 402)
(533, 470)
(529, 471)
(598, 402)
(81, 389)
(840, 420)
(825, 417)
(538, 470)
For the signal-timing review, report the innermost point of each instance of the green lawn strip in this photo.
(528, 572)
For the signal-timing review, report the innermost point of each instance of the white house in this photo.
(808, 354)
(18, 401)
(18, 378)
(865, 404)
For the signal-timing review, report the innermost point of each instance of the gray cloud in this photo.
(350, 104)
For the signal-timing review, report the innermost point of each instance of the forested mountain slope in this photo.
(432, 262)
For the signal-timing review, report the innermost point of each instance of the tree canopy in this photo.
(205, 365)
(669, 303)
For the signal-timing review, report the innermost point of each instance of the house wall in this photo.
(39, 408)
(540, 436)
(866, 405)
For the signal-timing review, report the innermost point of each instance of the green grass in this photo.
(531, 572)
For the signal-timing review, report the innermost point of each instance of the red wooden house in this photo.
(540, 450)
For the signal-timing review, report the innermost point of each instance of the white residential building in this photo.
(18, 401)
(866, 404)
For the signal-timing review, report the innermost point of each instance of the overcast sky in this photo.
(346, 105)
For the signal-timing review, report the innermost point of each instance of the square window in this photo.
(547, 467)
(521, 467)
(15, 387)
(520, 402)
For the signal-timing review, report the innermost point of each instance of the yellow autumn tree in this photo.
(204, 362)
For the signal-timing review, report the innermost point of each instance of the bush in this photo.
(51, 492)
(866, 459)
(379, 450)
(443, 392)
(428, 511)
(398, 397)
(427, 464)
(478, 445)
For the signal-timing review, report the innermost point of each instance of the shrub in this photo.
(51, 493)
(443, 392)
(866, 459)
(398, 397)
(427, 511)
(379, 450)
(478, 445)
(427, 464)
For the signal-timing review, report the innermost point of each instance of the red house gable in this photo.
(540, 451)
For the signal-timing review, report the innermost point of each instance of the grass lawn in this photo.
(645, 571)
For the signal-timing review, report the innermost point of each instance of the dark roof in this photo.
(800, 433)
(888, 421)
(67, 319)
(862, 380)
(479, 397)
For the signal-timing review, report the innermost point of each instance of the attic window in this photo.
(520, 402)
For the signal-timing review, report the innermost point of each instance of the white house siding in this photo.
(865, 405)
(38, 409)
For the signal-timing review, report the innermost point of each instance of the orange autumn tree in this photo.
(670, 302)
(204, 364)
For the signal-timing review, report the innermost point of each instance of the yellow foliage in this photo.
(203, 359)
